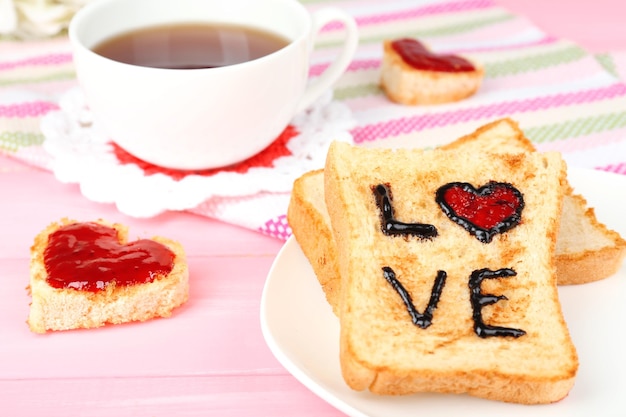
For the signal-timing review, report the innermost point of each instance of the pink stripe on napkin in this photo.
(405, 125)
(356, 65)
(431, 9)
(27, 109)
(42, 60)
(616, 169)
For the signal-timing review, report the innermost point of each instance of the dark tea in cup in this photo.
(191, 45)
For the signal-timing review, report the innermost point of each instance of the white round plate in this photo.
(303, 333)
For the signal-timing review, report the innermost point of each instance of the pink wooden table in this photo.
(224, 368)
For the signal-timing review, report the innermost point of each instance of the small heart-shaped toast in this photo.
(87, 274)
(412, 74)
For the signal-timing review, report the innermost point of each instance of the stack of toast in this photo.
(442, 264)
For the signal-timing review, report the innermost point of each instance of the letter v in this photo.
(422, 320)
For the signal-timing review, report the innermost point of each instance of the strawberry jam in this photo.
(89, 257)
(484, 212)
(419, 57)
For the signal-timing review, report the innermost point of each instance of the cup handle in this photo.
(317, 87)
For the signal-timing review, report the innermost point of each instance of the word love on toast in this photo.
(493, 208)
(471, 242)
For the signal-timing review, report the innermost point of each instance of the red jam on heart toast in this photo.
(89, 256)
(418, 56)
(87, 274)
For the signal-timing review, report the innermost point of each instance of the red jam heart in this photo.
(484, 212)
(419, 57)
(89, 257)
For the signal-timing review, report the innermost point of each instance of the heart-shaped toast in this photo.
(484, 212)
(90, 257)
(412, 74)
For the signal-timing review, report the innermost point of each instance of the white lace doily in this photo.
(81, 153)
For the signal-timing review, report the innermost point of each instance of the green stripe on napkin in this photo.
(576, 128)
(13, 141)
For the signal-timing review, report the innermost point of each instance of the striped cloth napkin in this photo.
(564, 98)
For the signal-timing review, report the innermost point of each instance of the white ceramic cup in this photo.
(202, 118)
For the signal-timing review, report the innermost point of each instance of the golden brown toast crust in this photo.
(406, 85)
(63, 309)
(314, 233)
(575, 266)
(380, 348)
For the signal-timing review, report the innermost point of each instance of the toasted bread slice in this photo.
(54, 308)
(405, 84)
(308, 218)
(448, 275)
(586, 249)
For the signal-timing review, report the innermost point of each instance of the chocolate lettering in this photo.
(422, 320)
(392, 227)
(484, 212)
(479, 300)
